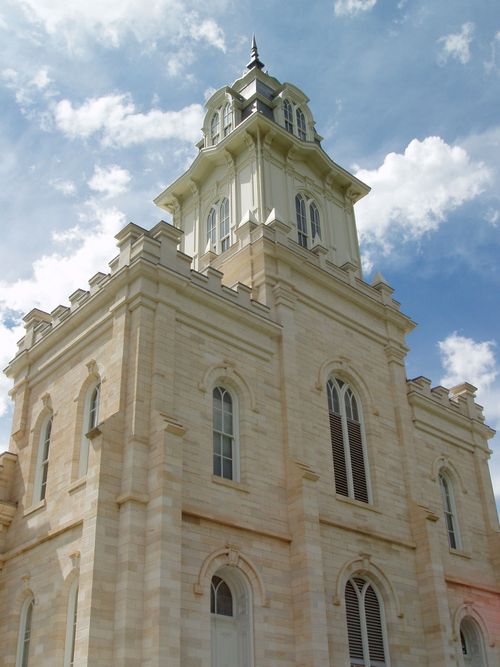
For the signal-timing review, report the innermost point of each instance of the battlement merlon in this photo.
(158, 248)
(456, 404)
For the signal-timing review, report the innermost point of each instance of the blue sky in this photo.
(102, 102)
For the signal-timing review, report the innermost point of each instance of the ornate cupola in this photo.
(260, 163)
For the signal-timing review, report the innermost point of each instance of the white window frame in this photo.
(449, 508)
(342, 390)
(293, 115)
(71, 623)
(219, 233)
(310, 233)
(227, 119)
(22, 656)
(88, 425)
(215, 128)
(235, 435)
(42, 460)
(367, 661)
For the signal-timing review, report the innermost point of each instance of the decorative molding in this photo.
(364, 565)
(469, 609)
(343, 367)
(231, 556)
(226, 370)
(443, 462)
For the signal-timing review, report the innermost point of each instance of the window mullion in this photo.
(364, 629)
(345, 438)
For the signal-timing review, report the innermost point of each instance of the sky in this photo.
(102, 102)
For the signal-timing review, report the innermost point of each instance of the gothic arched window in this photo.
(365, 624)
(450, 511)
(472, 644)
(42, 464)
(225, 446)
(24, 638)
(90, 421)
(308, 224)
(301, 124)
(219, 227)
(288, 114)
(347, 440)
(214, 128)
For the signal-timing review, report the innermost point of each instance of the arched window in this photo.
(219, 227)
(308, 225)
(226, 119)
(347, 440)
(365, 624)
(301, 124)
(472, 643)
(288, 114)
(69, 648)
(42, 464)
(24, 638)
(90, 421)
(225, 447)
(450, 511)
(214, 128)
(231, 619)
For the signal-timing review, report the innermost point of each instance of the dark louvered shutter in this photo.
(357, 461)
(353, 624)
(374, 629)
(338, 453)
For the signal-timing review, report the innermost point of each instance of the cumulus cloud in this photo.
(109, 181)
(116, 120)
(353, 7)
(67, 188)
(465, 359)
(28, 88)
(81, 252)
(413, 192)
(114, 21)
(457, 45)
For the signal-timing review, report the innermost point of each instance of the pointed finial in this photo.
(254, 57)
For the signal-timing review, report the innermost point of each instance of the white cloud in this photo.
(492, 216)
(84, 250)
(413, 192)
(110, 181)
(28, 89)
(457, 45)
(41, 79)
(353, 7)
(116, 119)
(67, 188)
(464, 359)
(114, 21)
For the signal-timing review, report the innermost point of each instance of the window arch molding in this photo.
(226, 374)
(443, 463)
(367, 569)
(464, 612)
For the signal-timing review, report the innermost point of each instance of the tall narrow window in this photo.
(224, 225)
(90, 421)
(314, 217)
(214, 128)
(347, 441)
(365, 626)
(472, 643)
(69, 649)
(288, 113)
(42, 467)
(24, 639)
(223, 435)
(300, 211)
(219, 227)
(449, 510)
(226, 119)
(301, 124)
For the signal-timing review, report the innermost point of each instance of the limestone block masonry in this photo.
(216, 457)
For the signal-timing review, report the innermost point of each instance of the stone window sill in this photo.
(230, 483)
(77, 484)
(357, 503)
(35, 508)
(460, 552)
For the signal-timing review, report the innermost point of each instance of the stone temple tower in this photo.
(216, 457)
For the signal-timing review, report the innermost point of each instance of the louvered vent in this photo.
(357, 461)
(353, 625)
(339, 465)
(374, 629)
